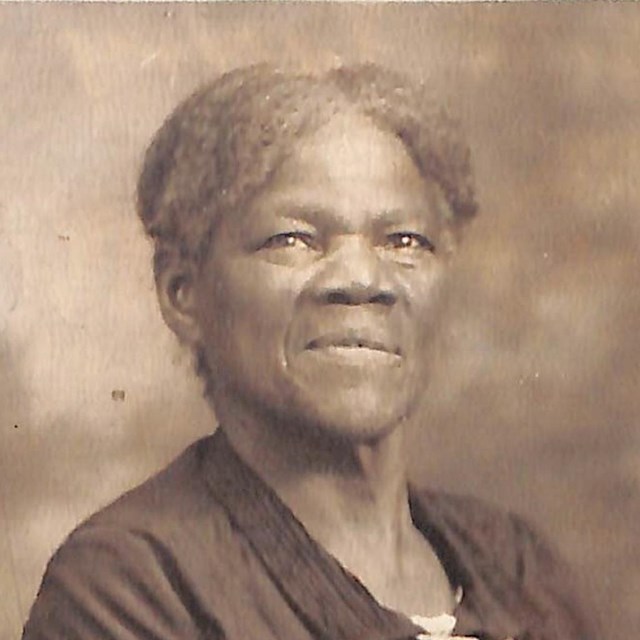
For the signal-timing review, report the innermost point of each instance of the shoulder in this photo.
(137, 561)
(489, 528)
(175, 493)
(490, 531)
(107, 581)
(171, 517)
(463, 507)
(478, 523)
(511, 560)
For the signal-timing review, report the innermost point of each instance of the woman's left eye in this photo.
(409, 240)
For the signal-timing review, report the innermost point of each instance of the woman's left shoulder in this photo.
(509, 556)
(491, 534)
(486, 523)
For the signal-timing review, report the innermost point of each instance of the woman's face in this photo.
(316, 303)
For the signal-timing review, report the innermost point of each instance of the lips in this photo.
(353, 340)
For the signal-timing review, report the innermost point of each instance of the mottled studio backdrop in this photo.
(536, 404)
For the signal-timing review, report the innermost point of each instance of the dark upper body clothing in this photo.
(205, 550)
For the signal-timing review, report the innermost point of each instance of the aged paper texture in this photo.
(535, 405)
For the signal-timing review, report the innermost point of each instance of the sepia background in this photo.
(536, 403)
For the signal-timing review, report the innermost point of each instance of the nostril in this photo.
(384, 297)
(345, 297)
(338, 297)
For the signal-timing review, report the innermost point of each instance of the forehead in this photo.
(349, 165)
(353, 144)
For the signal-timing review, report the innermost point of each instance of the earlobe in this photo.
(176, 288)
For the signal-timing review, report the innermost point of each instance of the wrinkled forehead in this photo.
(349, 155)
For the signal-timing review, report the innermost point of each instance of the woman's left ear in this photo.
(176, 286)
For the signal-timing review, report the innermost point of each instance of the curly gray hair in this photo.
(221, 145)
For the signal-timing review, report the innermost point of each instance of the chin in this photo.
(358, 433)
(357, 415)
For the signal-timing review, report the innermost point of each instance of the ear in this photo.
(176, 287)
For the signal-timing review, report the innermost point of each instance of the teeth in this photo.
(347, 344)
(358, 345)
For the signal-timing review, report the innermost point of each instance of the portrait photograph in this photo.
(320, 321)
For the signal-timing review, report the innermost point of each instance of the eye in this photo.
(290, 239)
(409, 240)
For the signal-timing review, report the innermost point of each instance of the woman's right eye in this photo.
(290, 239)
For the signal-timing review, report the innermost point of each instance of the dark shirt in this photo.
(205, 549)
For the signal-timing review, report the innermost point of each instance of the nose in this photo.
(354, 274)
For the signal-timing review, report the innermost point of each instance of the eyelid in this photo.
(423, 241)
(306, 237)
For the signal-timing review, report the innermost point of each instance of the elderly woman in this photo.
(302, 227)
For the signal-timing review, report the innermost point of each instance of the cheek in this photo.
(250, 310)
(424, 296)
(421, 286)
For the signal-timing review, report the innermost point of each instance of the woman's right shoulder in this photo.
(141, 560)
(177, 493)
(107, 578)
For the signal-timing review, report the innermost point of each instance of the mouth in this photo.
(352, 342)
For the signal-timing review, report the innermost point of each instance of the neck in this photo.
(344, 492)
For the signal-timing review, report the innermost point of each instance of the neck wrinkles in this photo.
(339, 490)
